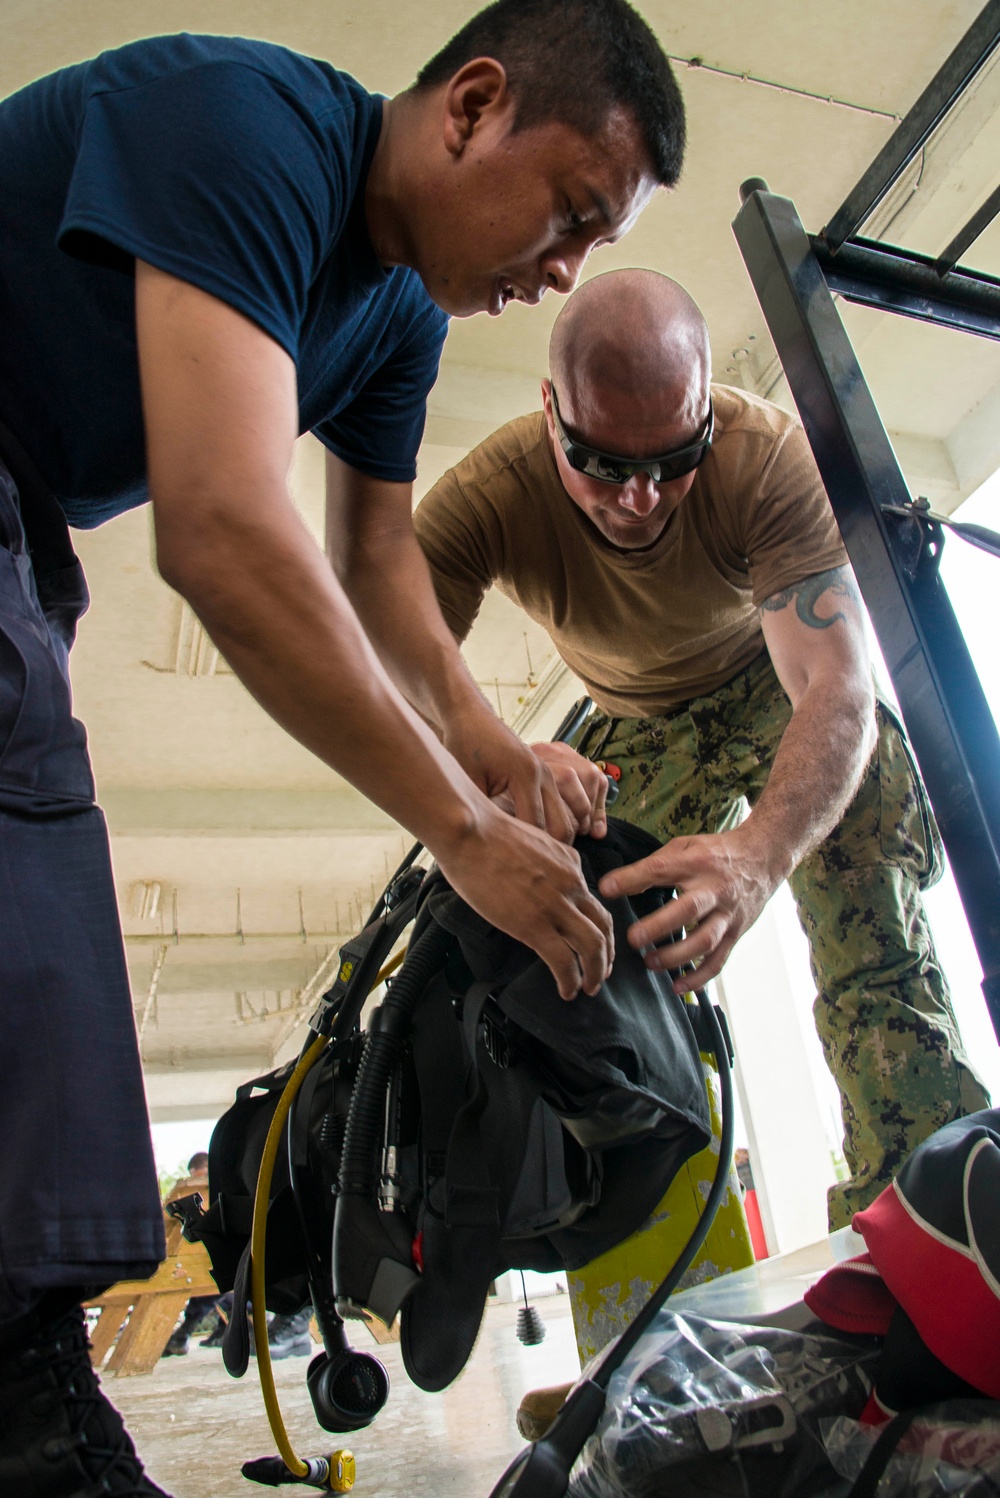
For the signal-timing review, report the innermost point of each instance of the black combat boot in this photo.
(59, 1435)
(178, 1343)
(215, 1336)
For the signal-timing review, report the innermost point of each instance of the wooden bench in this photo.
(152, 1306)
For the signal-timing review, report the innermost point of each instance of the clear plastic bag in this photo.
(951, 1448)
(708, 1407)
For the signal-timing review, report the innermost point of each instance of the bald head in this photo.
(630, 363)
(633, 332)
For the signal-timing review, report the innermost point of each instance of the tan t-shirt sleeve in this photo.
(462, 542)
(791, 532)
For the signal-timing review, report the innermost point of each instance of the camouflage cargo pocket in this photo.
(909, 831)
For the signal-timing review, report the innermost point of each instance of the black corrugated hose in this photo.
(360, 1159)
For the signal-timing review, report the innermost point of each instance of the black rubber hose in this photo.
(360, 1157)
(716, 1196)
(330, 1324)
(359, 1162)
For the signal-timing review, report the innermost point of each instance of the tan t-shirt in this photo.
(644, 630)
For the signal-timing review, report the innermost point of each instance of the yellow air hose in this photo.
(258, 1234)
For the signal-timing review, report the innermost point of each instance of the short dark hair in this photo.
(574, 61)
(198, 1162)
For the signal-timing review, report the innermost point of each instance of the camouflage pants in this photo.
(883, 1010)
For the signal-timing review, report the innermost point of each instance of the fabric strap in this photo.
(881, 1455)
(472, 1199)
(441, 1066)
(236, 1338)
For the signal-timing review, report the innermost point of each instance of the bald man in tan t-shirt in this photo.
(705, 600)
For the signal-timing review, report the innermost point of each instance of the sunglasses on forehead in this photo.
(613, 469)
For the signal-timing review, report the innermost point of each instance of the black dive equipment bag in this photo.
(478, 1123)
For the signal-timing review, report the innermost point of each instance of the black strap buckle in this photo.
(496, 1036)
(189, 1212)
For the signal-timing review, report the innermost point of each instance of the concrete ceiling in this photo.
(239, 857)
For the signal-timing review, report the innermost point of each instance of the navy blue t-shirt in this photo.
(237, 166)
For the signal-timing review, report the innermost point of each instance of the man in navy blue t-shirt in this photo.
(207, 247)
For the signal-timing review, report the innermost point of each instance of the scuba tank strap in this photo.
(441, 1063)
(472, 1200)
(236, 1338)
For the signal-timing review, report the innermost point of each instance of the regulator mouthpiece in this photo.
(332, 1474)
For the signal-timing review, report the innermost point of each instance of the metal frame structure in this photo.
(894, 547)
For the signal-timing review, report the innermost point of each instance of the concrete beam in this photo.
(174, 1095)
(948, 180)
(974, 445)
(186, 1112)
(136, 811)
(472, 392)
(928, 468)
(252, 974)
(183, 1065)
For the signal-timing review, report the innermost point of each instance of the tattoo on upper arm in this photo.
(837, 580)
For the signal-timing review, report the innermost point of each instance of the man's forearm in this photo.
(374, 552)
(814, 632)
(404, 623)
(724, 880)
(817, 769)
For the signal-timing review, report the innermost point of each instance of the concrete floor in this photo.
(194, 1425)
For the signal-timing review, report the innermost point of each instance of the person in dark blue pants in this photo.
(207, 246)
